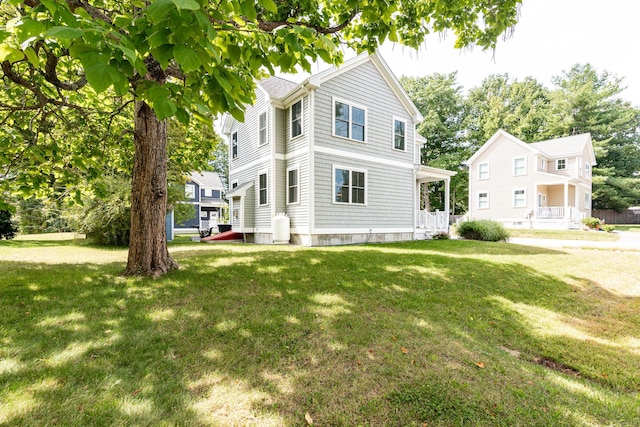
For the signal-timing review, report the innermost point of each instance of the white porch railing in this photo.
(558, 212)
(433, 221)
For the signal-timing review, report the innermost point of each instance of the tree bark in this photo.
(148, 253)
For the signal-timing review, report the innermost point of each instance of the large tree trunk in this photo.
(148, 254)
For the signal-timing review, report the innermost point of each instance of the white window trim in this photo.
(266, 128)
(291, 137)
(513, 197)
(296, 168)
(351, 105)
(393, 131)
(478, 199)
(266, 173)
(234, 184)
(333, 185)
(543, 164)
(480, 178)
(580, 166)
(190, 194)
(525, 166)
(235, 132)
(565, 164)
(587, 201)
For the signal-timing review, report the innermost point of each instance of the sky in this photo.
(550, 37)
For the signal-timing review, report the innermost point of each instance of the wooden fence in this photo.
(628, 216)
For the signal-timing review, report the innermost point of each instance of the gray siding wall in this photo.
(389, 190)
(249, 149)
(299, 213)
(300, 141)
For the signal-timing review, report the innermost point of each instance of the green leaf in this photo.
(269, 5)
(10, 54)
(248, 9)
(101, 76)
(163, 106)
(32, 56)
(159, 9)
(187, 58)
(64, 33)
(187, 4)
(28, 29)
(182, 116)
(163, 55)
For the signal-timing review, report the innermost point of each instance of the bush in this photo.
(443, 235)
(591, 222)
(608, 228)
(483, 230)
(8, 227)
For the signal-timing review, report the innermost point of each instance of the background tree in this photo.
(189, 58)
(8, 227)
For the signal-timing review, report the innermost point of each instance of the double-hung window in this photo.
(519, 166)
(519, 199)
(483, 200)
(263, 189)
(190, 191)
(483, 171)
(262, 128)
(349, 186)
(296, 119)
(234, 145)
(399, 134)
(561, 164)
(349, 121)
(293, 186)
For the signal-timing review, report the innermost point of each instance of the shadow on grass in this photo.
(379, 335)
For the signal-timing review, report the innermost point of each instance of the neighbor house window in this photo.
(561, 164)
(296, 119)
(262, 129)
(215, 194)
(190, 191)
(543, 164)
(293, 186)
(263, 189)
(234, 145)
(349, 121)
(579, 167)
(483, 200)
(349, 186)
(587, 201)
(483, 171)
(519, 166)
(234, 184)
(399, 134)
(519, 199)
(587, 169)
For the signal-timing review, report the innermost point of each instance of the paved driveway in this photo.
(628, 241)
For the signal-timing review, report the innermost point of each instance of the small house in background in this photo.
(205, 192)
(545, 184)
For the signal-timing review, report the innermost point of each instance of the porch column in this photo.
(566, 200)
(447, 184)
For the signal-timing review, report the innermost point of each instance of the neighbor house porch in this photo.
(560, 205)
(427, 222)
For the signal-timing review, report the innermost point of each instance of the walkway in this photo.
(628, 241)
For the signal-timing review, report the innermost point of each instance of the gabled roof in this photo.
(276, 87)
(207, 179)
(240, 190)
(552, 148)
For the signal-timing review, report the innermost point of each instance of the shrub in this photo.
(443, 235)
(8, 228)
(608, 228)
(592, 222)
(484, 230)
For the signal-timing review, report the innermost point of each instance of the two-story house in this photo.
(338, 153)
(204, 191)
(540, 185)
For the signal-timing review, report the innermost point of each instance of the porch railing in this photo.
(558, 212)
(433, 221)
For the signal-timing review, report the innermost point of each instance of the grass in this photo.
(632, 227)
(597, 236)
(447, 333)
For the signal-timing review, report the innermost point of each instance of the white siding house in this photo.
(338, 153)
(540, 185)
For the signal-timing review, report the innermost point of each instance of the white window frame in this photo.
(393, 131)
(587, 201)
(579, 166)
(564, 167)
(234, 184)
(262, 131)
(234, 145)
(543, 164)
(190, 191)
(524, 198)
(587, 170)
(351, 106)
(480, 193)
(291, 135)
(266, 188)
(523, 169)
(481, 172)
(351, 171)
(297, 201)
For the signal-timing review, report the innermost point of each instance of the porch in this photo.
(565, 202)
(427, 222)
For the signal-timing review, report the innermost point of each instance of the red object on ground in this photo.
(223, 237)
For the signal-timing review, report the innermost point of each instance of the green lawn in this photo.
(437, 333)
(591, 235)
(631, 227)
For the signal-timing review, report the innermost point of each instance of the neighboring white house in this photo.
(205, 192)
(338, 153)
(540, 185)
